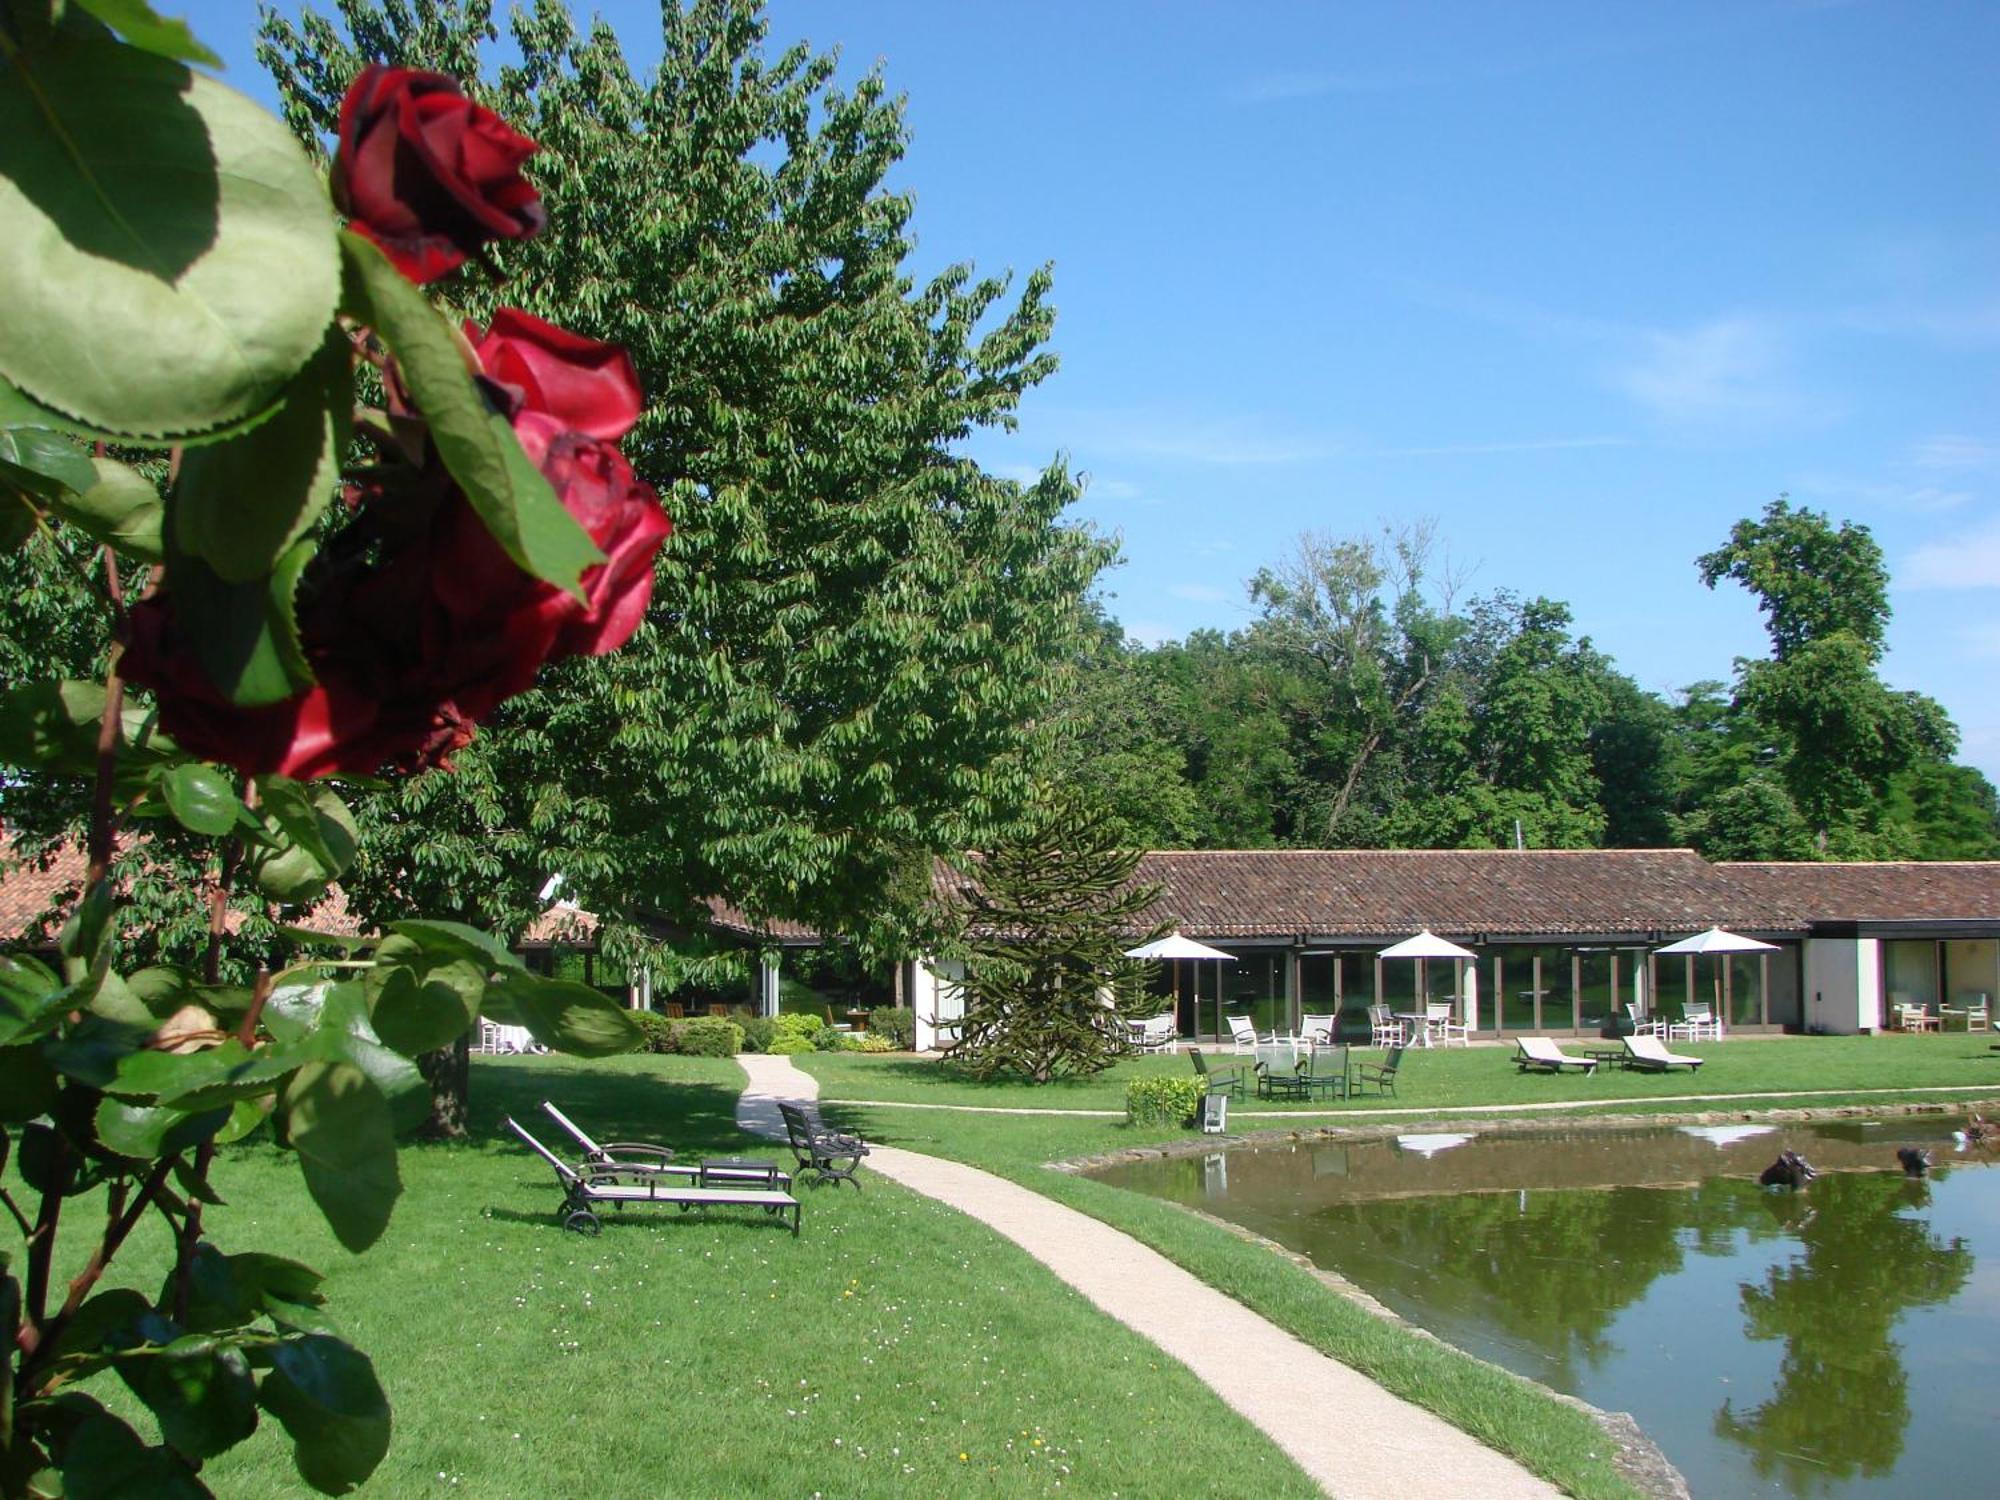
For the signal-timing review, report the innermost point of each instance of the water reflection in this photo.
(1768, 1339)
(1842, 1402)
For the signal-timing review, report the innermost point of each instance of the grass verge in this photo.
(896, 1348)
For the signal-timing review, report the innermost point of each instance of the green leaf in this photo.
(339, 1123)
(106, 1460)
(239, 505)
(49, 457)
(17, 408)
(457, 940)
(245, 634)
(118, 505)
(140, 195)
(94, 1049)
(312, 817)
(33, 1000)
(201, 798)
(201, 1080)
(146, 28)
(200, 1391)
(52, 726)
(476, 443)
(27, 1085)
(294, 871)
(325, 1393)
(344, 1033)
(417, 1012)
(109, 1320)
(569, 1017)
(148, 1130)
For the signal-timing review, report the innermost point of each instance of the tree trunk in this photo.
(449, 1073)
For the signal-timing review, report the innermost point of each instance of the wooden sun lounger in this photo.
(639, 1156)
(592, 1187)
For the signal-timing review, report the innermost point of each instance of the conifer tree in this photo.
(1048, 988)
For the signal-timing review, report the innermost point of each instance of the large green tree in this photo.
(1835, 732)
(853, 622)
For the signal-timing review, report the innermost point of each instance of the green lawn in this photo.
(895, 1348)
(1545, 1435)
(719, 1356)
(1467, 1077)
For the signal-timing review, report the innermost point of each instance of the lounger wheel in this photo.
(583, 1221)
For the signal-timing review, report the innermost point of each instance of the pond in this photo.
(1840, 1341)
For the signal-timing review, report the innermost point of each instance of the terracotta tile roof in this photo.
(736, 923)
(1888, 892)
(27, 893)
(1387, 893)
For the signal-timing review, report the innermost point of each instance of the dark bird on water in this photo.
(1789, 1170)
(1916, 1161)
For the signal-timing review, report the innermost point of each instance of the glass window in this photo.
(1909, 972)
(1670, 993)
(1515, 986)
(1746, 989)
(1594, 988)
(1545, 978)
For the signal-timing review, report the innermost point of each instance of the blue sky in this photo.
(1583, 284)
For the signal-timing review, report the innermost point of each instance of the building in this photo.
(1565, 940)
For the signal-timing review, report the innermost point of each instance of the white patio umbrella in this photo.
(1716, 940)
(1427, 945)
(1174, 946)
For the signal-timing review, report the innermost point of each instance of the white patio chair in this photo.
(1319, 1029)
(1242, 1035)
(1154, 1033)
(1443, 1029)
(1384, 1030)
(1698, 1023)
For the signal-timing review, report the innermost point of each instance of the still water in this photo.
(1843, 1341)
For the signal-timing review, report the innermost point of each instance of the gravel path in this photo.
(1354, 1438)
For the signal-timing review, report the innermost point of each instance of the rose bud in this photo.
(426, 173)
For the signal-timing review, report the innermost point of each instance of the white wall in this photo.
(1843, 984)
(937, 1001)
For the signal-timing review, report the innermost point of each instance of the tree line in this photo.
(1366, 706)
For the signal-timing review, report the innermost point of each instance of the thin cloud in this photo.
(1728, 368)
(1225, 443)
(1953, 451)
(1111, 489)
(1200, 593)
(1524, 445)
(1148, 633)
(1970, 560)
(1916, 499)
(1981, 641)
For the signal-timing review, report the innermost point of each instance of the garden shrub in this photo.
(788, 1044)
(800, 1023)
(757, 1030)
(826, 1039)
(656, 1032)
(1164, 1101)
(709, 1036)
(897, 1023)
(869, 1041)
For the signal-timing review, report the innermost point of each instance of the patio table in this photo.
(1416, 1026)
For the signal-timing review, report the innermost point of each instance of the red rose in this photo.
(335, 725)
(578, 383)
(473, 578)
(427, 174)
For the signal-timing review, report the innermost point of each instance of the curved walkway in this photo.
(1354, 1438)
